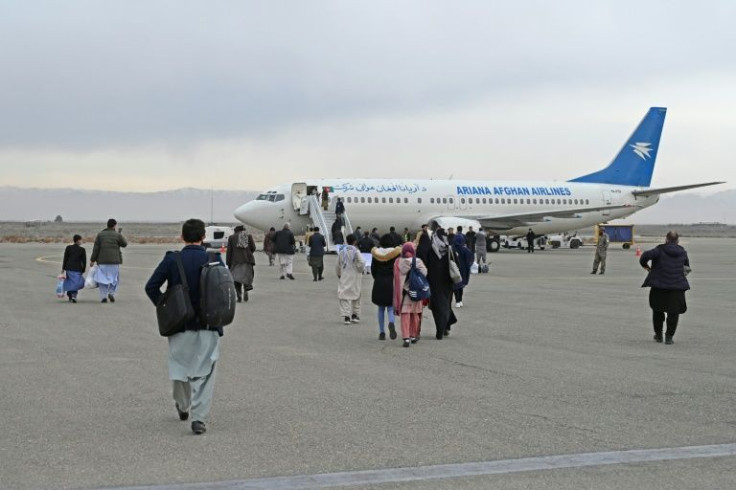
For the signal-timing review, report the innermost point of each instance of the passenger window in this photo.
(406, 200)
(484, 200)
(431, 200)
(516, 201)
(391, 200)
(419, 200)
(362, 199)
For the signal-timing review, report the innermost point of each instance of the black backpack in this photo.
(216, 294)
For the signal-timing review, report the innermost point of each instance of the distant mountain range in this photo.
(21, 204)
(26, 204)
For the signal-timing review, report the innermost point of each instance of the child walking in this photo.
(411, 311)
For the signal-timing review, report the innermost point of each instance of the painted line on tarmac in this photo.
(460, 470)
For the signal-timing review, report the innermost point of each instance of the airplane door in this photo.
(606, 202)
(298, 192)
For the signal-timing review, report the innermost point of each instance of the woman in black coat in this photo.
(666, 278)
(382, 295)
(438, 274)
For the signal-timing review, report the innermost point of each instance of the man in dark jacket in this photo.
(106, 253)
(268, 244)
(530, 241)
(365, 244)
(337, 236)
(396, 240)
(666, 278)
(240, 261)
(194, 352)
(284, 246)
(317, 245)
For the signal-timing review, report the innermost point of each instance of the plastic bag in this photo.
(60, 286)
(89, 281)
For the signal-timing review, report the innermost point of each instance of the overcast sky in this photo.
(155, 95)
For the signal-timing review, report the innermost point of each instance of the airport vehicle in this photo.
(216, 236)
(623, 234)
(520, 242)
(508, 207)
(565, 240)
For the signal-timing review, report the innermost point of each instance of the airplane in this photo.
(500, 207)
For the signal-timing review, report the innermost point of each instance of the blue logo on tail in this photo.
(634, 164)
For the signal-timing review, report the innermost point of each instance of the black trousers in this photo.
(658, 320)
(458, 295)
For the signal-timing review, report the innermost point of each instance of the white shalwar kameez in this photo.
(192, 358)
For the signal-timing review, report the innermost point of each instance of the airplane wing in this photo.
(509, 221)
(664, 190)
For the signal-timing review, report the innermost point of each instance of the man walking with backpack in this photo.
(193, 352)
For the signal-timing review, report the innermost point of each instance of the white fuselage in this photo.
(410, 203)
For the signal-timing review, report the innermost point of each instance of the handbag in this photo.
(686, 270)
(455, 275)
(174, 308)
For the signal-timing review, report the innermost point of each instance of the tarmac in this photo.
(550, 380)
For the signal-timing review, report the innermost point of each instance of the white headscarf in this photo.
(439, 245)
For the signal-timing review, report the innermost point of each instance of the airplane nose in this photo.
(253, 214)
(246, 214)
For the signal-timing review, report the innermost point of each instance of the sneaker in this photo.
(290, 276)
(601, 273)
(314, 280)
(459, 305)
(240, 300)
(407, 343)
(282, 277)
(382, 336)
(447, 332)
(347, 320)
(355, 318)
(594, 272)
(198, 427)
(438, 336)
(104, 300)
(392, 330)
(321, 278)
(668, 340)
(182, 415)
(111, 297)
(658, 338)
(73, 300)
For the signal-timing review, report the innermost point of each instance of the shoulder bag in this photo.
(455, 275)
(174, 309)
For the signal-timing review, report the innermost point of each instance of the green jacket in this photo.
(107, 247)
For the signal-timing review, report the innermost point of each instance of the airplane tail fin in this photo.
(634, 164)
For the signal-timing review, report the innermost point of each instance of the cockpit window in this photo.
(279, 197)
(262, 197)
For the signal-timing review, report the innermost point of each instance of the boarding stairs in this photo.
(324, 219)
